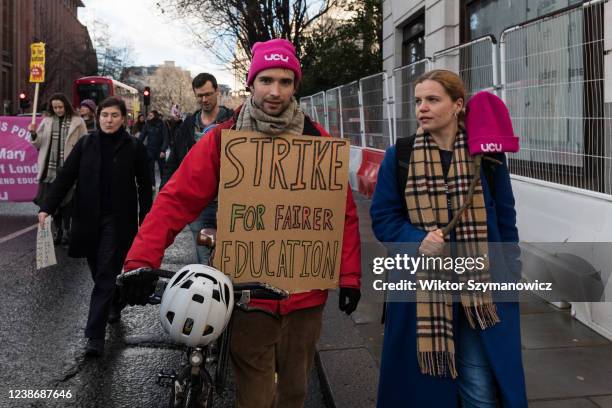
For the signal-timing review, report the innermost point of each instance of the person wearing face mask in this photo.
(439, 351)
(54, 139)
(272, 353)
(112, 197)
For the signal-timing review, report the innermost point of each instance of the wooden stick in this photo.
(37, 86)
(477, 162)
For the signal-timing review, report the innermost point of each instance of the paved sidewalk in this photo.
(567, 365)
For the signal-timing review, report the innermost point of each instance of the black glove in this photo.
(137, 288)
(349, 298)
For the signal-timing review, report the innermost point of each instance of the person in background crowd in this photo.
(87, 110)
(175, 111)
(112, 197)
(155, 136)
(436, 352)
(55, 138)
(173, 126)
(138, 125)
(206, 92)
(272, 356)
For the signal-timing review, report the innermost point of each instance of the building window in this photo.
(484, 17)
(413, 40)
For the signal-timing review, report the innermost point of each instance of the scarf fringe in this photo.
(485, 314)
(437, 363)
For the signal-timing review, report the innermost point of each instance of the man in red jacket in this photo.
(261, 345)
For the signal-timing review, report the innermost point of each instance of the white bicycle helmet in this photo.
(197, 305)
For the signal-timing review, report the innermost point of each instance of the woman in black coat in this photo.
(113, 195)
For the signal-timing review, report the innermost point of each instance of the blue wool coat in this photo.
(401, 382)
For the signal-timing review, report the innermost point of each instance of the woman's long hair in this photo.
(452, 84)
(138, 125)
(68, 109)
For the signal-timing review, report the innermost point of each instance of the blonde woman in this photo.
(436, 352)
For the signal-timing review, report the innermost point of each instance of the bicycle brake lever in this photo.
(245, 298)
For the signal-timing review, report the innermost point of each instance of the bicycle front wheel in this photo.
(223, 344)
(199, 392)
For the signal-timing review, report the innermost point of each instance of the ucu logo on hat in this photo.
(276, 57)
(491, 147)
(489, 126)
(277, 53)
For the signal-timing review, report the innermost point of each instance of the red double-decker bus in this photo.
(97, 88)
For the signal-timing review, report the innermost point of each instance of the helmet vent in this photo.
(187, 284)
(198, 298)
(227, 293)
(170, 316)
(208, 330)
(207, 276)
(188, 326)
(180, 277)
(216, 295)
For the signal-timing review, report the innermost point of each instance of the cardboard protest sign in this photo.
(37, 62)
(282, 202)
(45, 251)
(18, 160)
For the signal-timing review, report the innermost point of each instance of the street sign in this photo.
(37, 62)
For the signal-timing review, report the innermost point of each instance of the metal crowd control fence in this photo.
(553, 75)
(319, 113)
(404, 117)
(351, 113)
(376, 120)
(334, 112)
(306, 105)
(476, 63)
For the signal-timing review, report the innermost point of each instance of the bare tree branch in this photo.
(228, 29)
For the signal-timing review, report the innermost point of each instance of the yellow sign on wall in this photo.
(37, 62)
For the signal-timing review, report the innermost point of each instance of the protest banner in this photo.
(282, 202)
(18, 160)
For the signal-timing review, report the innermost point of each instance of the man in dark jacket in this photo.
(194, 127)
(155, 136)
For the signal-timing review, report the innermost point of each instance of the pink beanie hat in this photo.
(488, 125)
(277, 53)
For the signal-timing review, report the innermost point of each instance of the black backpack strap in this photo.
(489, 164)
(403, 152)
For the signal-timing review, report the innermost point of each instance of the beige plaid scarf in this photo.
(426, 196)
(253, 118)
(59, 134)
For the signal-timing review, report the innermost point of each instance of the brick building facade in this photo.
(69, 50)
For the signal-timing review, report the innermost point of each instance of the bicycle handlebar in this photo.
(242, 291)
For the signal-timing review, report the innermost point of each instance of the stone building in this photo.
(69, 50)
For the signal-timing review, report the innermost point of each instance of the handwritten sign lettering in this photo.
(281, 212)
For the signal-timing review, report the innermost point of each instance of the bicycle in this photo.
(192, 386)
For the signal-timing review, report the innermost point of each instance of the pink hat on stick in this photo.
(488, 125)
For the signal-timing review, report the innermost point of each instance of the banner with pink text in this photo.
(18, 160)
